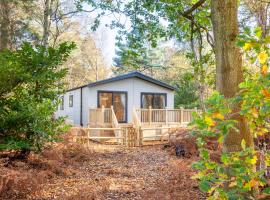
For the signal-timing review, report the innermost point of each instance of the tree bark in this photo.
(229, 65)
(47, 21)
(260, 10)
(5, 24)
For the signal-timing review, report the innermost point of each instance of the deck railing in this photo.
(99, 117)
(113, 118)
(147, 124)
(165, 116)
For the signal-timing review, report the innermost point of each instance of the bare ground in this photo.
(101, 172)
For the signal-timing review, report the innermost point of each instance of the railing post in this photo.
(150, 114)
(141, 137)
(102, 120)
(126, 136)
(181, 115)
(112, 114)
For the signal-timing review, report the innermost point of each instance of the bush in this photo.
(30, 84)
(241, 174)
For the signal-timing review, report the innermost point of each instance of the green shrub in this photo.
(30, 84)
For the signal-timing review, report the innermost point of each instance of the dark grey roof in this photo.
(134, 74)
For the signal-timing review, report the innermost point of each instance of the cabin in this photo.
(133, 100)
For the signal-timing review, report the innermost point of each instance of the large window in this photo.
(155, 100)
(116, 99)
(70, 100)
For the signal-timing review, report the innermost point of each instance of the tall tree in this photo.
(5, 24)
(47, 21)
(259, 10)
(229, 64)
(144, 58)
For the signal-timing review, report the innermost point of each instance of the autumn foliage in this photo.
(242, 174)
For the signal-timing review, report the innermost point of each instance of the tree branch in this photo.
(194, 7)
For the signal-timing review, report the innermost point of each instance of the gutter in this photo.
(81, 107)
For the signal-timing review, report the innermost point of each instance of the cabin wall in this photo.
(133, 87)
(72, 113)
(123, 86)
(144, 86)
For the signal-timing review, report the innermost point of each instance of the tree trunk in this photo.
(229, 65)
(259, 9)
(47, 22)
(261, 18)
(5, 24)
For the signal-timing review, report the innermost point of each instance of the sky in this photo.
(105, 40)
(104, 37)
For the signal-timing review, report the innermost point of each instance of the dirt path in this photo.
(112, 172)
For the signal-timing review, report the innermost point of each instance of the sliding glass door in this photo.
(116, 99)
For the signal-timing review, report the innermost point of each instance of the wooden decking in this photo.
(147, 124)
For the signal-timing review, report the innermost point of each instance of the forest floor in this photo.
(71, 171)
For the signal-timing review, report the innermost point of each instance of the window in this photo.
(70, 100)
(155, 100)
(116, 99)
(62, 103)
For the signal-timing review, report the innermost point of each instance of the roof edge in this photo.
(134, 74)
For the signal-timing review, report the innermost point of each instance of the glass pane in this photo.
(159, 101)
(105, 99)
(147, 100)
(119, 105)
(62, 103)
(71, 101)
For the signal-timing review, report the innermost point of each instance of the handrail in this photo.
(115, 123)
(137, 125)
(135, 118)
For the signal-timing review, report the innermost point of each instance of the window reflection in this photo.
(155, 100)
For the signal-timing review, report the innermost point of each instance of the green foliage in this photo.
(30, 84)
(255, 96)
(147, 17)
(235, 175)
(132, 56)
(186, 91)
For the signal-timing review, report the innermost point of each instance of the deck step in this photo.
(125, 125)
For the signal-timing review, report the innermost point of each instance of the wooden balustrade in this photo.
(147, 124)
(164, 116)
(99, 117)
(113, 118)
(137, 126)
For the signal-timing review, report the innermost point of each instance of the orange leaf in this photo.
(252, 183)
(265, 93)
(264, 70)
(218, 116)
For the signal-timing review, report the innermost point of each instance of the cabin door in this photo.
(116, 99)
